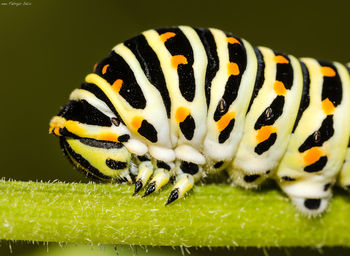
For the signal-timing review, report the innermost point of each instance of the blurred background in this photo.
(47, 47)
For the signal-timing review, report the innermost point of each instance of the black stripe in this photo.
(179, 45)
(287, 178)
(64, 132)
(225, 133)
(312, 203)
(187, 127)
(285, 72)
(116, 165)
(266, 144)
(305, 97)
(124, 138)
(237, 54)
(317, 166)
(148, 131)
(251, 178)
(151, 66)
(321, 135)
(85, 113)
(119, 69)
(188, 167)
(209, 44)
(100, 143)
(332, 86)
(83, 164)
(230, 94)
(218, 164)
(260, 76)
(271, 113)
(327, 186)
(94, 89)
(143, 158)
(164, 165)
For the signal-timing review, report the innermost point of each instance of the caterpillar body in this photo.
(183, 102)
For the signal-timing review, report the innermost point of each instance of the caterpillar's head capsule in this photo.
(89, 138)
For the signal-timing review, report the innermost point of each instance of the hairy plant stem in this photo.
(211, 215)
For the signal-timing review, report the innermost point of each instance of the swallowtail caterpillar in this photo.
(182, 102)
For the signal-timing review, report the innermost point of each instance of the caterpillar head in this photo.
(89, 139)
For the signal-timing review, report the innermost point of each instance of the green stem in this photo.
(211, 215)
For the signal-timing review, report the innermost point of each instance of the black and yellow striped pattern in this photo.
(196, 99)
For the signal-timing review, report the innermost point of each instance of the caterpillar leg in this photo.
(144, 173)
(310, 195)
(183, 184)
(160, 178)
(187, 174)
(311, 206)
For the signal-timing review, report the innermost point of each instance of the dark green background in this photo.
(47, 48)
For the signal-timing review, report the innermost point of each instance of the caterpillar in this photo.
(178, 103)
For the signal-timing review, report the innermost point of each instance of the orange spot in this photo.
(265, 132)
(52, 129)
(225, 120)
(312, 155)
(164, 37)
(181, 114)
(232, 69)
(104, 69)
(279, 88)
(327, 71)
(57, 131)
(232, 40)
(177, 60)
(108, 136)
(117, 85)
(136, 122)
(95, 66)
(280, 59)
(327, 106)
